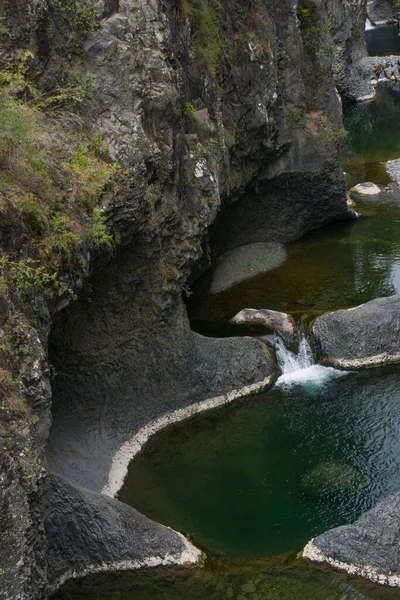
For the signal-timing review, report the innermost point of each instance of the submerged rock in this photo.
(366, 189)
(245, 262)
(368, 547)
(365, 336)
(337, 477)
(281, 323)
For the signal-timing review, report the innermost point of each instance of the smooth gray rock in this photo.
(245, 262)
(366, 189)
(369, 547)
(365, 336)
(281, 323)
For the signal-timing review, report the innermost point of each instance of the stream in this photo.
(251, 483)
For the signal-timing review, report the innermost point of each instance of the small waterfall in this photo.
(368, 25)
(288, 361)
(299, 367)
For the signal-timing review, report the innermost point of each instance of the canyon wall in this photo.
(214, 113)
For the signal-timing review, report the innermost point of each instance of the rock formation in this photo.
(168, 115)
(365, 336)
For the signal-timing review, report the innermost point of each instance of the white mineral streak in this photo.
(368, 361)
(129, 449)
(190, 555)
(367, 571)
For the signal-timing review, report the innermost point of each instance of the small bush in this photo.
(80, 160)
(97, 232)
(189, 110)
(30, 207)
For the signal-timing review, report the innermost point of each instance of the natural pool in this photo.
(261, 477)
(383, 40)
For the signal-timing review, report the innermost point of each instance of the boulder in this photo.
(368, 548)
(366, 189)
(365, 336)
(280, 323)
(244, 263)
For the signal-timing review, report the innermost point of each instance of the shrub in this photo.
(97, 232)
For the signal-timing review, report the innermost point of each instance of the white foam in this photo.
(299, 368)
(289, 361)
(316, 375)
(368, 25)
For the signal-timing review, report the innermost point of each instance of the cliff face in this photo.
(208, 108)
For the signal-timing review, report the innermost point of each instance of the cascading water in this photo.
(368, 25)
(299, 367)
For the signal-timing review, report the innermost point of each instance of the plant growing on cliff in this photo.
(97, 232)
(81, 20)
(26, 273)
(189, 110)
(205, 40)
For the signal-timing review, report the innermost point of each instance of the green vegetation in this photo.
(13, 79)
(25, 274)
(296, 118)
(81, 20)
(318, 44)
(205, 40)
(97, 231)
(49, 186)
(189, 110)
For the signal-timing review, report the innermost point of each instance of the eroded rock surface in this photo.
(365, 336)
(368, 547)
(89, 533)
(281, 323)
(257, 127)
(244, 263)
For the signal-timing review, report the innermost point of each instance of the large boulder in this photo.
(365, 336)
(368, 548)
(382, 12)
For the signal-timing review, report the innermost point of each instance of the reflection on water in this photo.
(262, 478)
(341, 265)
(280, 579)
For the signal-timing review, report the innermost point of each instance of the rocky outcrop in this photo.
(237, 111)
(382, 12)
(367, 548)
(365, 336)
(89, 533)
(351, 68)
(281, 323)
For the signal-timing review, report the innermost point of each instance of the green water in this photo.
(339, 266)
(262, 478)
(282, 579)
(259, 478)
(383, 41)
